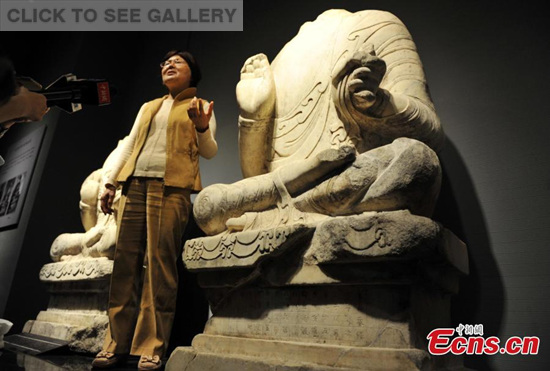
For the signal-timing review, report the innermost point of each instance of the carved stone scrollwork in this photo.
(242, 249)
(74, 270)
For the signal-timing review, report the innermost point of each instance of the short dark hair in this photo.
(191, 62)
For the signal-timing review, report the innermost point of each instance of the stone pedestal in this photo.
(354, 293)
(77, 310)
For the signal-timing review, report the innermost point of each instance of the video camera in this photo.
(69, 93)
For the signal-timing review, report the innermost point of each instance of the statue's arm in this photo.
(253, 145)
(382, 87)
(117, 159)
(256, 99)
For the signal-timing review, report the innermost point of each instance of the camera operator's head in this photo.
(17, 104)
(179, 71)
(7, 80)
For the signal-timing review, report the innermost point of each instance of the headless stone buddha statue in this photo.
(100, 236)
(340, 123)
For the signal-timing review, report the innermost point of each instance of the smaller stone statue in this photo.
(4, 328)
(78, 279)
(99, 238)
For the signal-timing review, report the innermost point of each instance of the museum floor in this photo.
(11, 361)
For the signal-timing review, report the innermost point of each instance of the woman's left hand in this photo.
(200, 113)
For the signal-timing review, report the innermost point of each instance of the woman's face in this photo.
(176, 74)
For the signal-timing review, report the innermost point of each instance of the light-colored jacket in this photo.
(182, 145)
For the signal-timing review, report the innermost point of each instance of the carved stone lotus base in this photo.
(361, 294)
(76, 311)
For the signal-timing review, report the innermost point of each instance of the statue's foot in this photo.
(66, 244)
(306, 174)
(336, 157)
(256, 90)
(272, 218)
(240, 223)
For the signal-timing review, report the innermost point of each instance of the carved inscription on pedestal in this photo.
(351, 315)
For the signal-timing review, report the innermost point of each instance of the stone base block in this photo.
(321, 327)
(77, 310)
(85, 332)
(362, 294)
(360, 316)
(225, 353)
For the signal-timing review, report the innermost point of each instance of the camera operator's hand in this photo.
(35, 104)
(23, 107)
(107, 199)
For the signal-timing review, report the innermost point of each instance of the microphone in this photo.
(70, 93)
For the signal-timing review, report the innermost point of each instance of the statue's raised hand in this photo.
(256, 90)
(366, 71)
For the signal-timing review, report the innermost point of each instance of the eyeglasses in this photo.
(167, 62)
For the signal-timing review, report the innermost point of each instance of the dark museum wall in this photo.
(487, 70)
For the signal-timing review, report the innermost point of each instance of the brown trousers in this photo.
(151, 225)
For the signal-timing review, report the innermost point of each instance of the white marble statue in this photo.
(100, 236)
(324, 256)
(5, 326)
(78, 279)
(339, 124)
